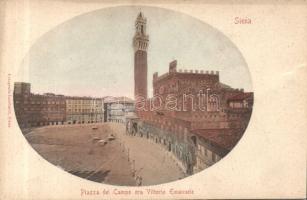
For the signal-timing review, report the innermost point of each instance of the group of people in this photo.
(138, 178)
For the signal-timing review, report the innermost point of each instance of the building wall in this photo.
(34, 110)
(37, 110)
(117, 111)
(175, 128)
(55, 108)
(193, 152)
(22, 88)
(199, 98)
(180, 145)
(82, 110)
(205, 156)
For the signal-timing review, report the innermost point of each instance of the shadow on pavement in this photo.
(98, 176)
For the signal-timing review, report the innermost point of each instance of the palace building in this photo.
(191, 114)
(117, 109)
(33, 110)
(84, 110)
(37, 110)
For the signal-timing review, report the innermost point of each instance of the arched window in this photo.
(213, 103)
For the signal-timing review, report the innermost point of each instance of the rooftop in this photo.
(225, 138)
(241, 96)
(122, 99)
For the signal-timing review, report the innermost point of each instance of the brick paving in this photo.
(76, 149)
(152, 162)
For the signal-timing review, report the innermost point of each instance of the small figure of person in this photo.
(138, 180)
(141, 179)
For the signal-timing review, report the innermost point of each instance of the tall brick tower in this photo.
(140, 44)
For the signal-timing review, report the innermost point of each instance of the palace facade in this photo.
(37, 110)
(33, 110)
(84, 110)
(191, 114)
(117, 109)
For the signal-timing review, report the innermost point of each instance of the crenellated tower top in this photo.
(141, 39)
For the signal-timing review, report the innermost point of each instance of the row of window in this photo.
(58, 102)
(243, 104)
(81, 119)
(83, 101)
(84, 110)
(84, 106)
(82, 122)
(234, 115)
(41, 102)
(208, 116)
(44, 109)
(214, 116)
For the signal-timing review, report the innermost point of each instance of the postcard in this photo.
(153, 100)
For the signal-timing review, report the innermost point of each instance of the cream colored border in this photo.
(269, 161)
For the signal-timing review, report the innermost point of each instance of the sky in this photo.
(92, 54)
